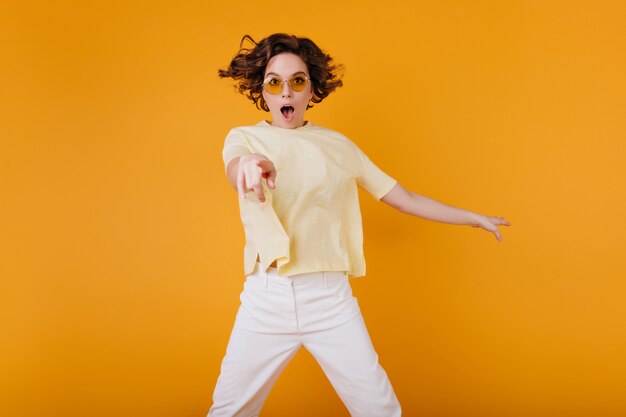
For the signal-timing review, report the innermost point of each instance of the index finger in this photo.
(258, 189)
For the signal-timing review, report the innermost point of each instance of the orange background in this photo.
(121, 243)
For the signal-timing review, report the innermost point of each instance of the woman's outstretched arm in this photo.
(418, 205)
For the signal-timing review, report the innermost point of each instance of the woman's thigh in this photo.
(349, 360)
(252, 364)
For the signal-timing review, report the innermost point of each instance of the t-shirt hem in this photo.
(386, 189)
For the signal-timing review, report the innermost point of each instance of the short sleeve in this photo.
(374, 180)
(234, 145)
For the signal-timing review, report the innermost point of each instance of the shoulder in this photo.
(343, 146)
(347, 143)
(331, 134)
(241, 133)
(244, 129)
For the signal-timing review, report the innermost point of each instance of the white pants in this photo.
(277, 316)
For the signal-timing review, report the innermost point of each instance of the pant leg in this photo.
(252, 364)
(348, 358)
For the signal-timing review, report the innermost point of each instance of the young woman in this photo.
(304, 235)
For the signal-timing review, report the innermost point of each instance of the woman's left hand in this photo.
(490, 224)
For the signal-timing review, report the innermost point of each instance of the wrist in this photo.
(471, 218)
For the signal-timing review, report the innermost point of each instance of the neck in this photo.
(304, 123)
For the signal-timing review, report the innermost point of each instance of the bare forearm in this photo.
(418, 205)
(427, 208)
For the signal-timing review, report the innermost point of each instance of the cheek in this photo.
(268, 101)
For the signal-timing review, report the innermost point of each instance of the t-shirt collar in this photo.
(265, 123)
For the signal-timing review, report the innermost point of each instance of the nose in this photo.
(286, 89)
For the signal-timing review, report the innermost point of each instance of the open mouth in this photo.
(287, 112)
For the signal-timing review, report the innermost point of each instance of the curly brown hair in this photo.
(248, 66)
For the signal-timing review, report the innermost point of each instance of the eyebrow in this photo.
(295, 73)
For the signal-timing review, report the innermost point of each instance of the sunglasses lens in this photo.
(298, 83)
(273, 85)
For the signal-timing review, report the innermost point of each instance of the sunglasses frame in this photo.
(282, 85)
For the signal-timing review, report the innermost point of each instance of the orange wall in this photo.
(121, 244)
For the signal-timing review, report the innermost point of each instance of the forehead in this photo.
(285, 65)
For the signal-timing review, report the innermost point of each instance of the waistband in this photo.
(272, 275)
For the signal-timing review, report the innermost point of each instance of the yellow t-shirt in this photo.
(311, 221)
